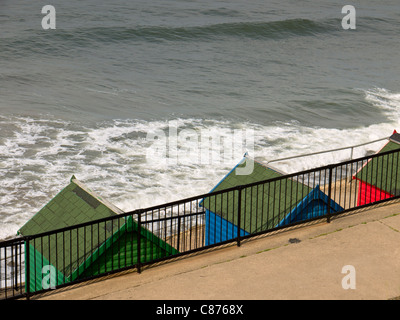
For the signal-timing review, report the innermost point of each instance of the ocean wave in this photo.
(272, 29)
(63, 40)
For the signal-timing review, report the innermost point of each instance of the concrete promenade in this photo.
(302, 263)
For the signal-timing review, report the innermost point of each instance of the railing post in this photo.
(239, 213)
(139, 241)
(16, 268)
(27, 269)
(179, 233)
(328, 213)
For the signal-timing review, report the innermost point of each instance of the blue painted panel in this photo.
(218, 229)
(315, 204)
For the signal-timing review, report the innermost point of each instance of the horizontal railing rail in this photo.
(351, 148)
(37, 263)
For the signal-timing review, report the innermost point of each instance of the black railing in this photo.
(35, 264)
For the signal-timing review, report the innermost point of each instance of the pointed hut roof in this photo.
(263, 205)
(383, 172)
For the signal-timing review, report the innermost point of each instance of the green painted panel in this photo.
(38, 275)
(120, 251)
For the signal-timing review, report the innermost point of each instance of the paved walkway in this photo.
(302, 263)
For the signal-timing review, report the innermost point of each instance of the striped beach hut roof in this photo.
(383, 172)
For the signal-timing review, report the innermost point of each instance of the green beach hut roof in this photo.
(263, 205)
(383, 172)
(74, 205)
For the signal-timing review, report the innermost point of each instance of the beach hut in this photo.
(264, 206)
(86, 251)
(379, 177)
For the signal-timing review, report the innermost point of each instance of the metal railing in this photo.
(34, 264)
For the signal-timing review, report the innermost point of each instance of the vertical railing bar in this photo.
(251, 209)
(20, 263)
(387, 175)
(184, 228)
(105, 246)
(386, 171)
(1, 271)
(273, 203)
(112, 243)
(366, 166)
(351, 182)
(239, 214)
(344, 181)
(5, 272)
(397, 171)
(139, 242)
(298, 185)
(77, 251)
(222, 201)
(262, 206)
(244, 220)
(233, 212)
(132, 242)
(178, 231)
(27, 268)
(357, 193)
(279, 202)
(333, 186)
(145, 240)
(190, 225)
(91, 251)
(197, 225)
(34, 262)
(315, 180)
(159, 233)
(329, 195)
(204, 222)
(14, 265)
(49, 247)
(63, 254)
(98, 247)
(1, 282)
(165, 225)
(119, 242)
(391, 178)
(257, 229)
(291, 196)
(56, 240)
(372, 184)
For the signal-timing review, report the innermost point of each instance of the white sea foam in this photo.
(39, 156)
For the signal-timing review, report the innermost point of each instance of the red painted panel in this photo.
(368, 194)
